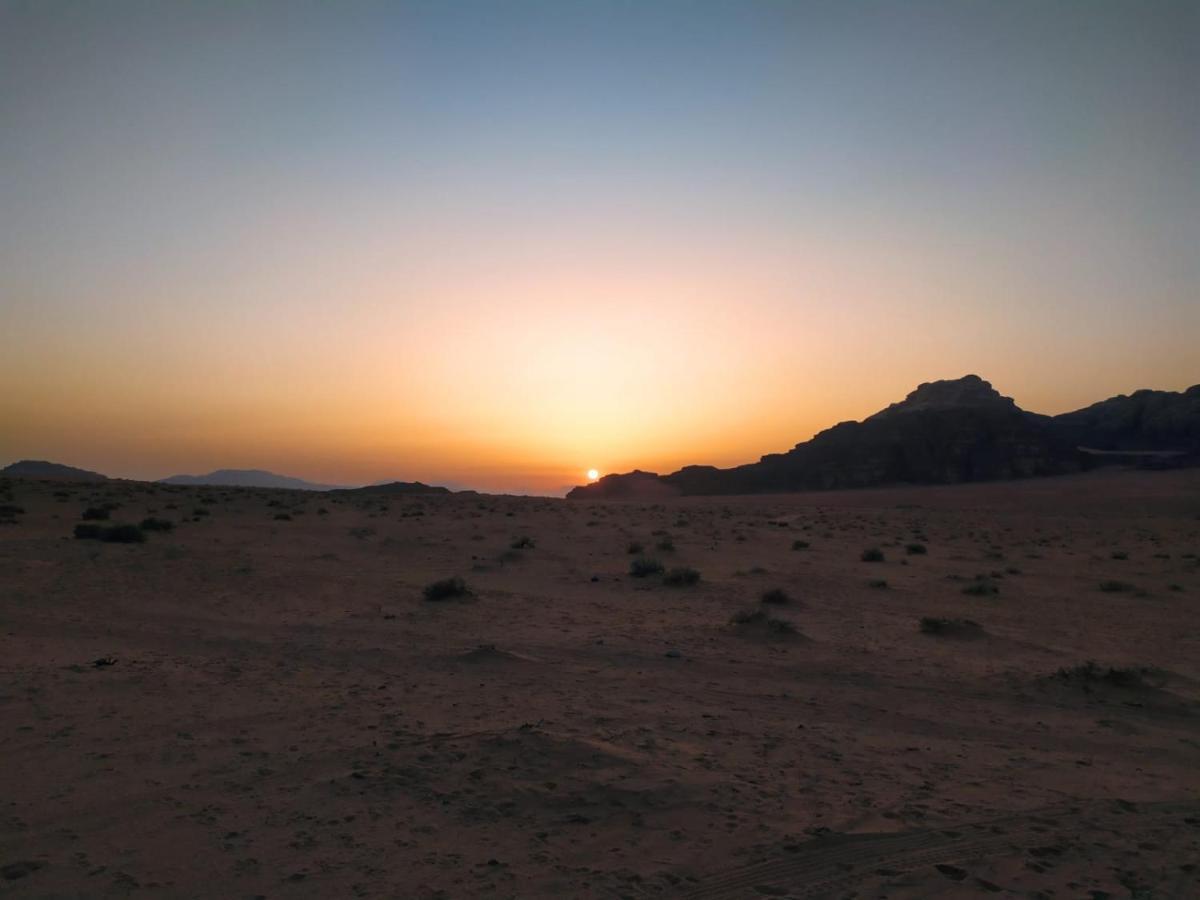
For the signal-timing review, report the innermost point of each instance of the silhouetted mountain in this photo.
(38, 468)
(248, 478)
(943, 432)
(399, 487)
(1143, 420)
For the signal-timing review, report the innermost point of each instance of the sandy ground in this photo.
(288, 717)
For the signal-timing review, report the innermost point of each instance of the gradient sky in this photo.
(496, 244)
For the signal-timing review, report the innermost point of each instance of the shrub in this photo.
(88, 532)
(872, 554)
(949, 627)
(799, 545)
(1119, 554)
(1115, 587)
(282, 517)
(915, 549)
(981, 587)
(880, 583)
(523, 543)
(153, 524)
(634, 547)
(1131, 677)
(643, 566)
(446, 589)
(775, 596)
(666, 545)
(95, 514)
(759, 617)
(123, 534)
(681, 577)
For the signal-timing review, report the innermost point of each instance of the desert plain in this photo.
(262, 702)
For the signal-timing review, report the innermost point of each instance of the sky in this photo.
(497, 244)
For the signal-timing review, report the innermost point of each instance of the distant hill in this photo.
(257, 478)
(37, 468)
(944, 432)
(398, 487)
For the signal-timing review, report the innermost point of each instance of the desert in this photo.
(948, 691)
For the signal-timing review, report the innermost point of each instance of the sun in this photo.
(592, 474)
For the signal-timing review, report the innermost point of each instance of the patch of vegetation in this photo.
(800, 545)
(760, 617)
(1115, 587)
(666, 545)
(95, 513)
(634, 547)
(682, 576)
(523, 543)
(872, 554)
(775, 597)
(446, 589)
(950, 627)
(981, 587)
(87, 532)
(1118, 554)
(282, 517)
(644, 566)
(916, 549)
(1091, 673)
(153, 524)
(878, 583)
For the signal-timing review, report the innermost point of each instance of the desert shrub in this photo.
(95, 514)
(872, 554)
(282, 517)
(1115, 587)
(634, 547)
(939, 626)
(644, 566)
(666, 545)
(915, 549)
(681, 577)
(981, 587)
(760, 617)
(523, 543)
(88, 532)
(775, 596)
(446, 589)
(123, 534)
(799, 545)
(322, 511)
(8, 510)
(879, 583)
(1119, 554)
(1091, 673)
(201, 511)
(153, 524)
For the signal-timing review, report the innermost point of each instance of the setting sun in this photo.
(592, 474)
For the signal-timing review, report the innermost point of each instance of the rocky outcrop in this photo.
(943, 432)
(49, 471)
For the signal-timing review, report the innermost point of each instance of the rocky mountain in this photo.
(399, 487)
(257, 478)
(943, 432)
(38, 468)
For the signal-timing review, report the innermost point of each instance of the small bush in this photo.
(446, 589)
(523, 543)
(759, 617)
(915, 549)
(981, 587)
(123, 534)
(950, 627)
(775, 597)
(1115, 587)
(872, 554)
(8, 511)
(95, 514)
(1091, 673)
(634, 547)
(153, 524)
(1119, 554)
(879, 583)
(644, 566)
(88, 532)
(681, 577)
(799, 545)
(666, 545)
(282, 517)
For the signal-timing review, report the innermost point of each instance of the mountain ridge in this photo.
(943, 432)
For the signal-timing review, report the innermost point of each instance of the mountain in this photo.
(1143, 420)
(942, 433)
(257, 478)
(38, 468)
(399, 487)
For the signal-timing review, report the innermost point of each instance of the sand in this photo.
(284, 715)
